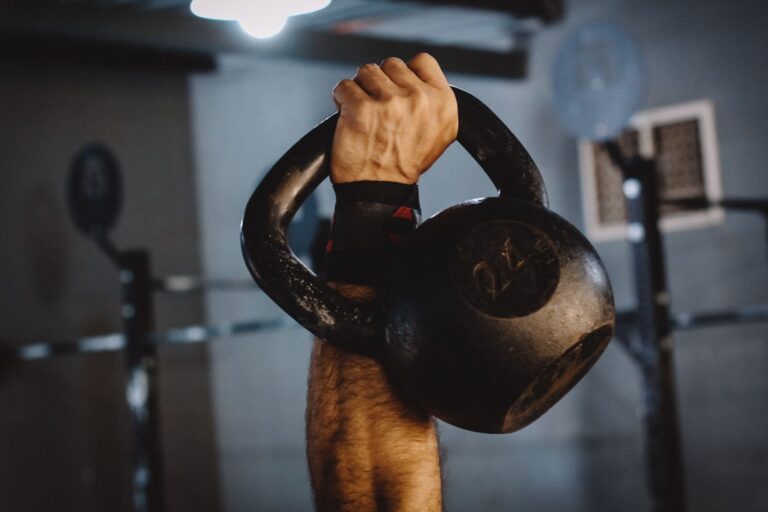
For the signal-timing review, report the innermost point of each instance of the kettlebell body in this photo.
(494, 309)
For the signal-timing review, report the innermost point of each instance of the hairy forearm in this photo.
(369, 446)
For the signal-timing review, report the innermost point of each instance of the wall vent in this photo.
(683, 141)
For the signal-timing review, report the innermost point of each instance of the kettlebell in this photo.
(493, 309)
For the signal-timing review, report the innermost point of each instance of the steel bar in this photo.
(104, 53)
(115, 342)
(141, 386)
(625, 320)
(190, 283)
(663, 446)
(546, 10)
(201, 333)
(758, 205)
(749, 314)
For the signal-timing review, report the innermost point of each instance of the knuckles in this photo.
(343, 84)
(392, 102)
(423, 59)
(392, 63)
(367, 68)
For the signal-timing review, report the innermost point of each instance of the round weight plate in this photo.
(94, 190)
(597, 80)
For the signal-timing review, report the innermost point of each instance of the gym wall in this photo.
(64, 423)
(587, 453)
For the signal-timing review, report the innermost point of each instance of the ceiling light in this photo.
(263, 25)
(217, 9)
(258, 18)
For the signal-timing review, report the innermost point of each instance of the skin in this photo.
(369, 447)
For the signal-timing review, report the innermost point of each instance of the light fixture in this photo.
(258, 18)
(263, 25)
(217, 9)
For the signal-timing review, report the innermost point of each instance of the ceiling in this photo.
(482, 37)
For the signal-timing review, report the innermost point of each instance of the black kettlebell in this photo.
(494, 308)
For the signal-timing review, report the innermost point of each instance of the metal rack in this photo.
(139, 343)
(655, 325)
(94, 211)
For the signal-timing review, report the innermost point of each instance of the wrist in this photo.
(390, 174)
(371, 220)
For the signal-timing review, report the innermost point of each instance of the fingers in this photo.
(428, 70)
(399, 73)
(374, 81)
(347, 91)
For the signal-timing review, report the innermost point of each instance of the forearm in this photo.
(369, 446)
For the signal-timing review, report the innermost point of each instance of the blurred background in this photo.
(195, 110)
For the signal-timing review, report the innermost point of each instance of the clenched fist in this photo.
(395, 121)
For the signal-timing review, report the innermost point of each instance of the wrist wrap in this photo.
(371, 219)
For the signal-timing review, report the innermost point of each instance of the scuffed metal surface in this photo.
(465, 357)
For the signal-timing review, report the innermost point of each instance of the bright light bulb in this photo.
(217, 9)
(258, 18)
(263, 25)
(306, 6)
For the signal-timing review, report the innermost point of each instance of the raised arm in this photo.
(369, 446)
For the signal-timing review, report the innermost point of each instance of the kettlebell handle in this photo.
(295, 288)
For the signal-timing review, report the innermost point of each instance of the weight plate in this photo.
(597, 80)
(94, 190)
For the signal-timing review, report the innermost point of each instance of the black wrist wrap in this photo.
(370, 221)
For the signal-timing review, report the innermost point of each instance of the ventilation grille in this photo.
(682, 140)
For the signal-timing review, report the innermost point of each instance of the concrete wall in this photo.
(587, 453)
(64, 422)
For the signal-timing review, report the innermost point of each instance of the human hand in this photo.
(395, 121)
